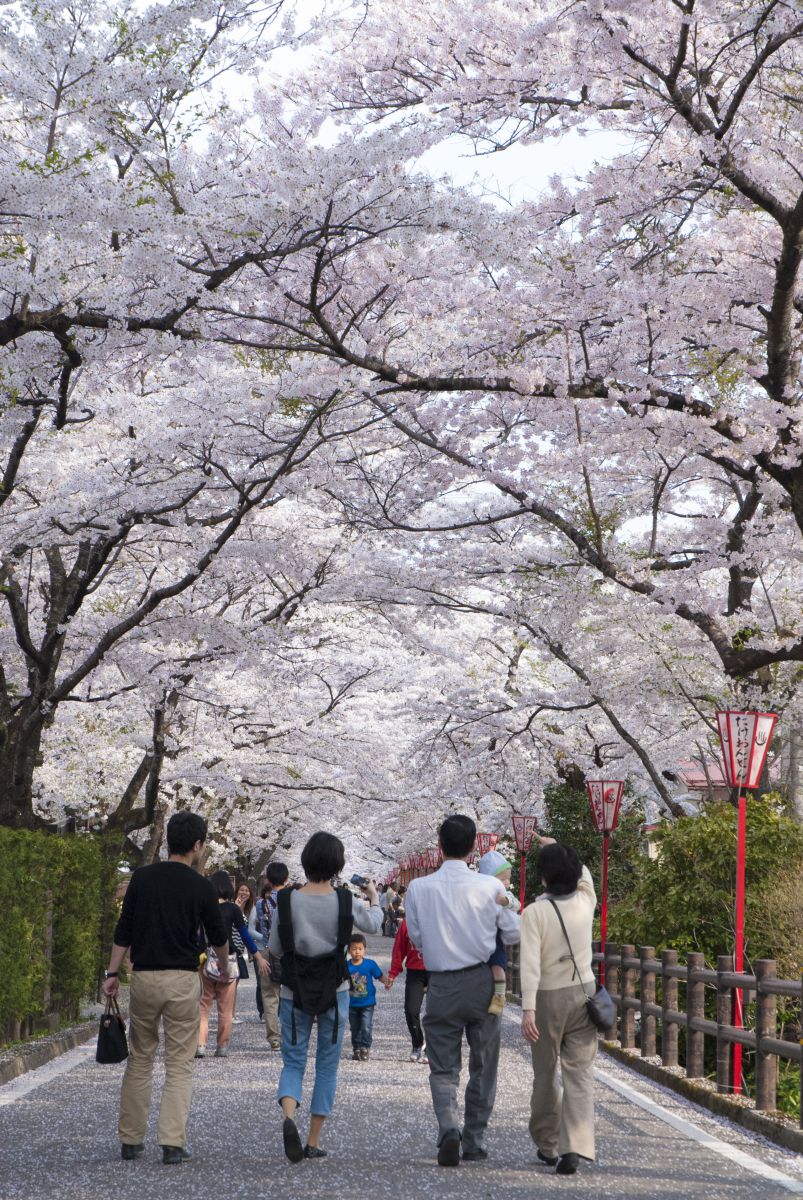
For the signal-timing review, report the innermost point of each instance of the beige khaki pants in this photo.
(562, 1114)
(270, 1004)
(169, 997)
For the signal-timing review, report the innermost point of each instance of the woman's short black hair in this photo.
(560, 868)
(184, 829)
(221, 882)
(457, 836)
(323, 857)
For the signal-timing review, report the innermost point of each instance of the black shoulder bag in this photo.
(600, 1007)
(314, 979)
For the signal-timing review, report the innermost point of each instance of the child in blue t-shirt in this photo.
(363, 997)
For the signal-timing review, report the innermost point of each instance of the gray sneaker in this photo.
(200, 1052)
(222, 1052)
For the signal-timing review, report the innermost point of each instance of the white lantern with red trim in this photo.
(486, 842)
(605, 797)
(745, 739)
(524, 828)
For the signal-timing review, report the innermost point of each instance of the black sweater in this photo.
(162, 910)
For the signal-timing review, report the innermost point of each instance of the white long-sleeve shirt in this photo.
(453, 917)
(545, 960)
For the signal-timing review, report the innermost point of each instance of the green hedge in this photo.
(54, 892)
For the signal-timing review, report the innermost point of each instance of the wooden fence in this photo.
(632, 978)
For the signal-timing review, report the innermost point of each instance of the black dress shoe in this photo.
(130, 1150)
(314, 1152)
(567, 1164)
(292, 1142)
(550, 1162)
(449, 1150)
(475, 1155)
(174, 1154)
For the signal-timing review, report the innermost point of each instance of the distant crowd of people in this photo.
(190, 939)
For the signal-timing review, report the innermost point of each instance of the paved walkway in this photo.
(58, 1134)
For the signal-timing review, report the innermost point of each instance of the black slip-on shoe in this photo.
(174, 1154)
(567, 1164)
(479, 1155)
(544, 1158)
(292, 1142)
(449, 1150)
(314, 1152)
(129, 1150)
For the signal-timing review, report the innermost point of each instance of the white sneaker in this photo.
(414, 1055)
(422, 1056)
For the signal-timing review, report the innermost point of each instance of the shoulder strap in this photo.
(345, 918)
(284, 909)
(565, 934)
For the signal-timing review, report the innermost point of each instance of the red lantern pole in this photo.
(605, 797)
(523, 834)
(745, 739)
(603, 921)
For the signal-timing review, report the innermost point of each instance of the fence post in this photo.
(647, 996)
(627, 1023)
(669, 1001)
(724, 963)
(766, 1026)
(695, 1007)
(612, 984)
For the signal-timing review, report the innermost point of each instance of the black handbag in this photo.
(242, 966)
(112, 1042)
(600, 1007)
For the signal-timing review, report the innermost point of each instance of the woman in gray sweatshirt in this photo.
(314, 911)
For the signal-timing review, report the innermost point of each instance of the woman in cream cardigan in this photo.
(554, 1018)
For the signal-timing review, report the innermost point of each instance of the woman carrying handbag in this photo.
(224, 994)
(556, 982)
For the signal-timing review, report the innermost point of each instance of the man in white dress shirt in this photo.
(453, 918)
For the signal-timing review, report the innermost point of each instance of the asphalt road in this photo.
(58, 1134)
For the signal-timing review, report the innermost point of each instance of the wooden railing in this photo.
(631, 979)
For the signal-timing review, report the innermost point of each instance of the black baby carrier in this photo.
(314, 979)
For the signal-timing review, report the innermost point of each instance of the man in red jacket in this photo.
(414, 987)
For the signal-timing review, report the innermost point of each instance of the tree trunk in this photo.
(20, 742)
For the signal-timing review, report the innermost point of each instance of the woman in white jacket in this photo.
(554, 1017)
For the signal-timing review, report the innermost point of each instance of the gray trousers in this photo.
(562, 1116)
(457, 1003)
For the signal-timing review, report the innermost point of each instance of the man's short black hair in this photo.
(560, 868)
(457, 836)
(277, 873)
(221, 882)
(401, 891)
(357, 937)
(184, 829)
(323, 857)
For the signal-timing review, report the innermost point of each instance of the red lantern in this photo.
(486, 842)
(605, 796)
(524, 828)
(432, 859)
(745, 739)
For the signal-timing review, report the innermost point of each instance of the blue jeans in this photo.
(361, 1020)
(327, 1053)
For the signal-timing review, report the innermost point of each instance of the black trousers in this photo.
(415, 984)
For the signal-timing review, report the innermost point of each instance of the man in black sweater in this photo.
(163, 908)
